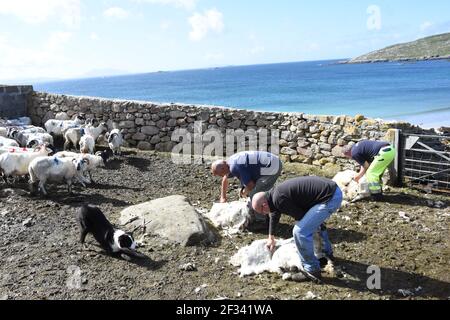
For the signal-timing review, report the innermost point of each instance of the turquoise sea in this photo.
(417, 92)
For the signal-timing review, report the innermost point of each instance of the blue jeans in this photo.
(311, 223)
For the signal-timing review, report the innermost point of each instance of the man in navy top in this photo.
(257, 171)
(374, 158)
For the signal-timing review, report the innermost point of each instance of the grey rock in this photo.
(143, 145)
(235, 124)
(172, 219)
(139, 136)
(177, 114)
(150, 130)
(126, 124)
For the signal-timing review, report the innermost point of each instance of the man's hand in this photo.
(243, 193)
(357, 178)
(271, 243)
(223, 200)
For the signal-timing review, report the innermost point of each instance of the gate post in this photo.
(397, 168)
(394, 138)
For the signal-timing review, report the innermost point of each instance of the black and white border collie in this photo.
(114, 241)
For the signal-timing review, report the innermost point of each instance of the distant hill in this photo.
(430, 48)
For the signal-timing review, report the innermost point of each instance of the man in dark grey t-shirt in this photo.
(310, 201)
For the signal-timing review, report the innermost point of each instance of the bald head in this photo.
(220, 168)
(260, 203)
(347, 151)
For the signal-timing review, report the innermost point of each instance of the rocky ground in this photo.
(407, 237)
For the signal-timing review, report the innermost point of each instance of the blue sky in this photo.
(72, 38)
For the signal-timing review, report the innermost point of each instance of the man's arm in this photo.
(224, 190)
(273, 223)
(362, 172)
(248, 188)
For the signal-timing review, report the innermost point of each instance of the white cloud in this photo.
(257, 50)
(165, 25)
(46, 60)
(426, 25)
(214, 56)
(33, 11)
(93, 36)
(116, 13)
(201, 24)
(185, 4)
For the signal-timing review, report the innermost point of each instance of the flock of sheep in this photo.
(29, 150)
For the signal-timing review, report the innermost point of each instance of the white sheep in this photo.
(59, 127)
(73, 136)
(94, 161)
(16, 164)
(30, 137)
(256, 258)
(87, 144)
(115, 141)
(232, 216)
(6, 142)
(351, 189)
(53, 169)
(15, 150)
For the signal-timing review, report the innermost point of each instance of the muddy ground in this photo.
(40, 256)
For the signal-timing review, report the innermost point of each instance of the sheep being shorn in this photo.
(351, 189)
(54, 169)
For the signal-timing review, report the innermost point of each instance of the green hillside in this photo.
(434, 47)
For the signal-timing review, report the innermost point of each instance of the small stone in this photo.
(189, 267)
(27, 223)
(310, 296)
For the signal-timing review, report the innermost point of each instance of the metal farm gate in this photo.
(424, 161)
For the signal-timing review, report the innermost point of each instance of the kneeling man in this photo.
(310, 201)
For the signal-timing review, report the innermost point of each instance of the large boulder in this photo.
(171, 219)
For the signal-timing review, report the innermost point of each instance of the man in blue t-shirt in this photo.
(257, 171)
(374, 158)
